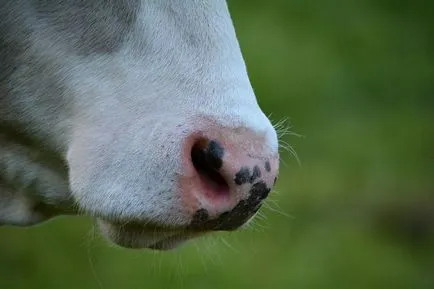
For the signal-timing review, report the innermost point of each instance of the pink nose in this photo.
(231, 174)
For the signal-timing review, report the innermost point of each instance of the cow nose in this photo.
(231, 179)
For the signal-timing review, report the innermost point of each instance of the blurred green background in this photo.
(356, 80)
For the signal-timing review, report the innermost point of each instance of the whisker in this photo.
(201, 257)
(283, 129)
(91, 238)
(252, 226)
(277, 210)
(223, 240)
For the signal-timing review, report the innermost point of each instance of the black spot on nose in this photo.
(258, 193)
(199, 218)
(242, 176)
(236, 217)
(267, 166)
(256, 174)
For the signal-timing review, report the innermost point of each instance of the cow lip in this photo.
(154, 237)
(172, 242)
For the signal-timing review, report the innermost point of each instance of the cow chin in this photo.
(142, 236)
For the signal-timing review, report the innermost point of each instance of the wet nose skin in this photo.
(233, 183)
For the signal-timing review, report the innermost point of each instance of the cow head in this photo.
(162, 136)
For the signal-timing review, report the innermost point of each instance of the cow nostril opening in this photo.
(207, 163)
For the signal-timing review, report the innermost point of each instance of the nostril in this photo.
(210, 153)
(207, 158)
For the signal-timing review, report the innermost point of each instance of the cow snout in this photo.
(231, 174)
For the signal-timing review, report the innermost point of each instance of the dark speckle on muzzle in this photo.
(233, 219)
(243, 175)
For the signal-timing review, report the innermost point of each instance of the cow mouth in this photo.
(134, 236)
(171, 242)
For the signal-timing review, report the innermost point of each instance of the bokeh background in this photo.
(355, 79)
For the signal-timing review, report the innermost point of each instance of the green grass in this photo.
(356, 80)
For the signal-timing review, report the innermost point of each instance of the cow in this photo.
(137, 113)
